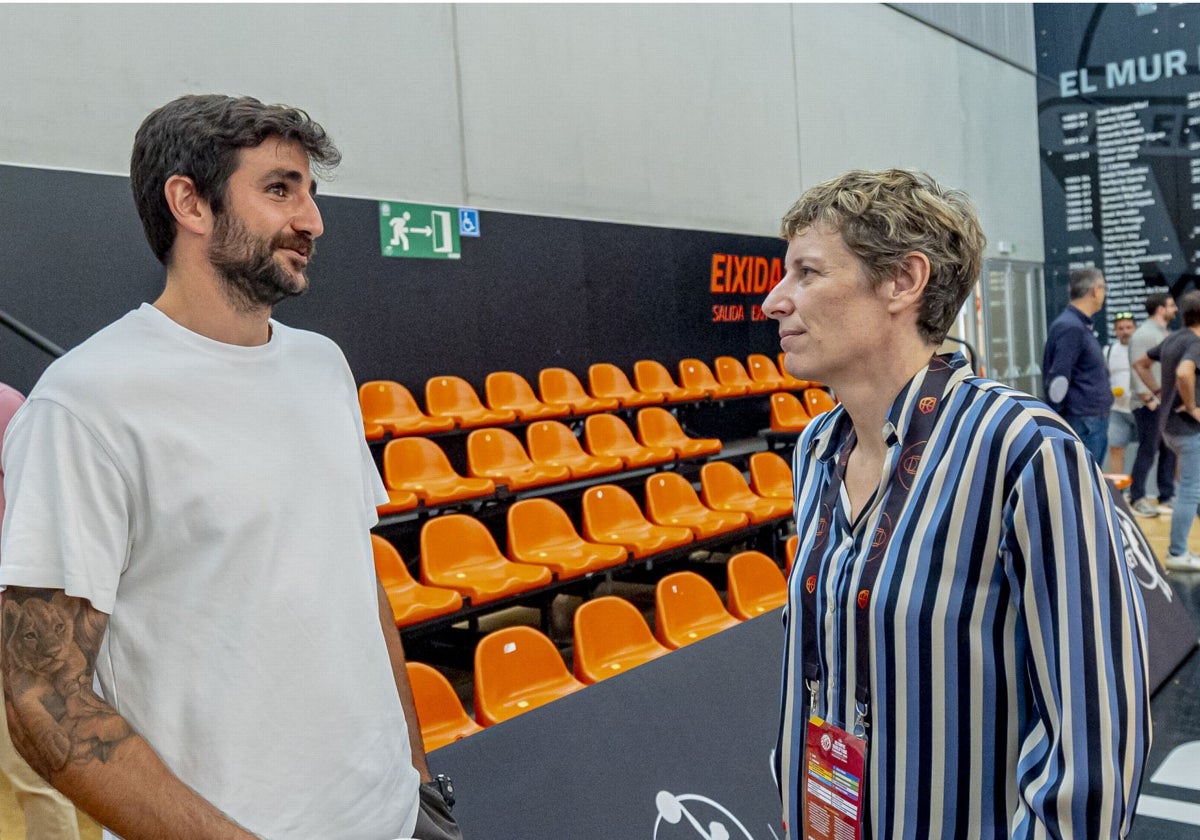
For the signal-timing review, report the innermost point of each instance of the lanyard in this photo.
(924, 415)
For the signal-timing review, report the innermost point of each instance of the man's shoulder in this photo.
(306, 341)
(109, 354)
(1186, 342)
(1179, 341)
(1148, 333)
(1064, 319)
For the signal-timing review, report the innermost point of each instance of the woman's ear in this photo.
(909, 282)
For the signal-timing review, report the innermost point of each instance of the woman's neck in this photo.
(868, 399)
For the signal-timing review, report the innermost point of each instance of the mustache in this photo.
(296, 242)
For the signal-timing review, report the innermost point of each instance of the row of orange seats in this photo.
(416, 470)
(792, 414)
(460, 558)
(519, 668)
(450, 401)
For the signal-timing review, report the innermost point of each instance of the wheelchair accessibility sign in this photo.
(424, 231)
(468, 221)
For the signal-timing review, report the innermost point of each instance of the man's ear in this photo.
(908, 283)
(191, 212)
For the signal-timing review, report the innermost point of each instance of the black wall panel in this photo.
(531, 292)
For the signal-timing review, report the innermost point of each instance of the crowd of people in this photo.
(1140, 388)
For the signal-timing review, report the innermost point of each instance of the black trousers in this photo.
(1150, 443)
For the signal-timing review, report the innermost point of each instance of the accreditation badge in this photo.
(833, 786)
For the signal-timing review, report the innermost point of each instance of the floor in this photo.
(1167, 811)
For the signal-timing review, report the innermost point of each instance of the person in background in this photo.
(1122, 429)
(1160, 310)
(48, 814)
(960, 599)
(1179, 419)
(190, 499)
(1073, 364)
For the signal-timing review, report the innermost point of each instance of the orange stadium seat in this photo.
(453, 397)
(391, 405)
(607, 434)
(756, 585)
(507, 391)
(770, 476)
(398, 502)
(671, 500)
(440, 713)
(817, 401)
(694, 373)
(611, 637)
(658, 427)
(518, 669)
(610, 382)
(611, 516)
(688, 609)
(541, 533)
(419, 465)
(788, 413)
(724, 488)
(731, 373)
(553, 444)
(789, 552)
(653, 377)
(498, 455)
(560, 386)
(373, 431)
(458, 552)
(1119, 481)
(411, 602)
(763, 370)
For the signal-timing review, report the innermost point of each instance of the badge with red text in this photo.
(833, 786)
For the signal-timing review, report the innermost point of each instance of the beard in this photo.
(246, 264)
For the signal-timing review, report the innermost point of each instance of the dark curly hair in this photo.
(200, 137)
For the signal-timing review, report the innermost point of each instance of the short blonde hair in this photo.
(882, 216)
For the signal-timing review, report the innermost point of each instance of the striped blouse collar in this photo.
(828, 441)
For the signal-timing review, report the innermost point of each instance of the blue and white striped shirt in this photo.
(1008, 651)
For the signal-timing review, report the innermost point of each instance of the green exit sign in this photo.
(423, 231)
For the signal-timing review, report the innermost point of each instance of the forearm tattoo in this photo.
(50, 646)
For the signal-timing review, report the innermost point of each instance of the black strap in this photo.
(925, 411)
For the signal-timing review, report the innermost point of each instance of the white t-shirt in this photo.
(216, 502)
(1120, 375)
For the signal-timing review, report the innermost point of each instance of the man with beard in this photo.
(189, 501)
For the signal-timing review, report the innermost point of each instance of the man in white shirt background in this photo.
(1122, 429)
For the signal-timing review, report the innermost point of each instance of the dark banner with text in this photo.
(1119, 126)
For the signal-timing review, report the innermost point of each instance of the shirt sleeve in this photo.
(1192, 353)
(1061, 362)
(68, 520)
(1138, 345)
(1082, 646)
(374, 492)
(1155, 353)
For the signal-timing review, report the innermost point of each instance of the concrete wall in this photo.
(707, 117)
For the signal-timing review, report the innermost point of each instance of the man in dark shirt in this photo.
(1179, 419)
(1073, 364)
